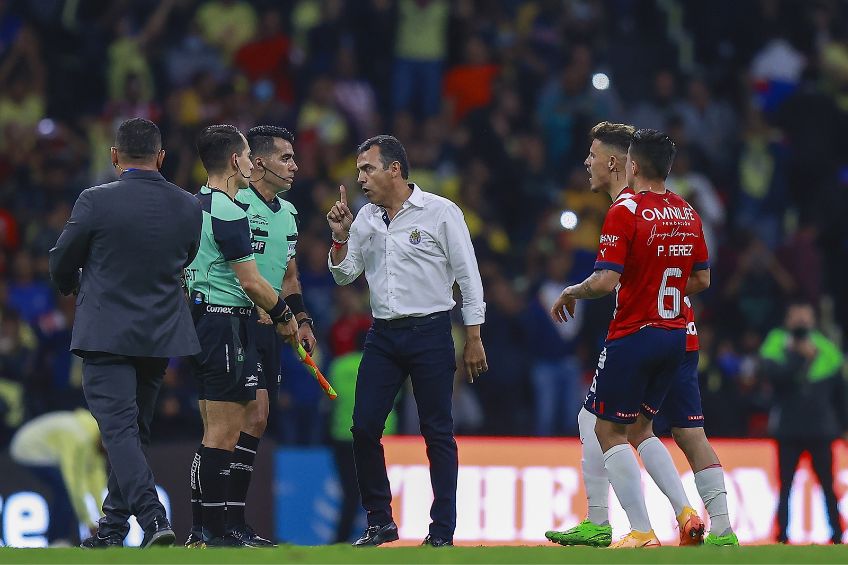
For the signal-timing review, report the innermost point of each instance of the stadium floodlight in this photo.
(568, 220)
(46, 127)
(600, 81)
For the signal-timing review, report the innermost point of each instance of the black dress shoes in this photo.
(378, 535)
(437, 542)
(159, 533)
(97, 542)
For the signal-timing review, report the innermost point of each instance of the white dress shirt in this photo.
(412, 263)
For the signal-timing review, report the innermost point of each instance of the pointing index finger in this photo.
(342, 195)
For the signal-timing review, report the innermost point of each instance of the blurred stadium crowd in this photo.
(493, 100)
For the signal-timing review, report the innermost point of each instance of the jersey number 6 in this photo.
(674, 293)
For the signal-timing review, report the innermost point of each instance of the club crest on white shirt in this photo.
(415, 237)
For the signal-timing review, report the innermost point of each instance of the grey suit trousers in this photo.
(121, 393)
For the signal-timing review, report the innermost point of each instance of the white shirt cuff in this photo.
(339, 271)
(330, 262)
(474, 315)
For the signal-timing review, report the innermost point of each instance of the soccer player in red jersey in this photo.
(681, 409)
(652, 254)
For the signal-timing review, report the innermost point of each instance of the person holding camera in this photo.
(809, 409)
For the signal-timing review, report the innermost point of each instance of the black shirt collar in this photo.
(274, 204)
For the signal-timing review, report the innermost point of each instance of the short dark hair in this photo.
(138, 138)
(391, 150)
(261, 138)
(800, 301)
(614, 135)
(654, 152)
(216, 144)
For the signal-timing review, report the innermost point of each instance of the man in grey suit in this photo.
(123, 252)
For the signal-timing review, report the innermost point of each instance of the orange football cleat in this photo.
(692, 528)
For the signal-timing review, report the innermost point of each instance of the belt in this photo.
(240, 311)
(410, 321)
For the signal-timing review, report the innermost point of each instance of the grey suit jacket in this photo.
(132, 238)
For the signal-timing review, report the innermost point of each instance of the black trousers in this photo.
(788, 454)
(121, 394)
(423, 349)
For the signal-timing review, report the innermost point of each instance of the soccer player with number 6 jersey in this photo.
(681, 409)
(652, 254)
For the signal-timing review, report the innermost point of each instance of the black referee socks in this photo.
(241, 470)
(214, 476)
(194, 481)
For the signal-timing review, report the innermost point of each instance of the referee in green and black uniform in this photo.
(273, 226)
(223, 283)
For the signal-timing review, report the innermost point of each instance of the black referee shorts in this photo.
(268, 352)
(227, 367)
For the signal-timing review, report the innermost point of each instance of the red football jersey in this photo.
(692, 343)
(655, 241)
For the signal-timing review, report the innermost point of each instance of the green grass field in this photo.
(346, 554)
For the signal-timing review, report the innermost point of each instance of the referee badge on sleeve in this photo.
(415, 237)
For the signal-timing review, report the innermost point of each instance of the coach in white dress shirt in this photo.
(413, 246)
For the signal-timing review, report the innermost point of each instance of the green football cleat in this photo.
(728, 540)
(584, 533)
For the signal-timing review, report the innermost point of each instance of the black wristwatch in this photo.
(283, 318)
